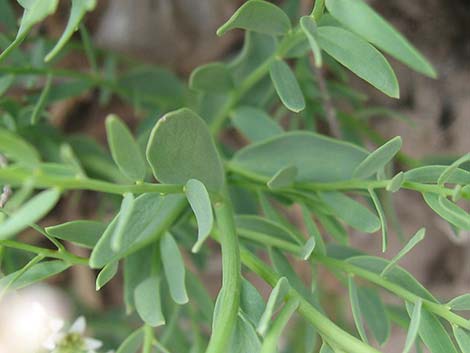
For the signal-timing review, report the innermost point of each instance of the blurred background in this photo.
(180, 35)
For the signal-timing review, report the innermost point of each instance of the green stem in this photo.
(55, 254)
(318, 9)
(438, 309)
(148, 339)
(229, 296)
(324, 325)
(17, 177)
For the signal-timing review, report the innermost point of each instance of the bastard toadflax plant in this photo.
(175, 193)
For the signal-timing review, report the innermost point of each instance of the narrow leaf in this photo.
(378, 159)
(448, 210)
(258, 16)
(106, 274)
(415, 239)
(84, 233)
(276, 298)
(77, 12)
(125, 213)
(362, 19)
(308, 25)
(251, 302)
(286, 86)
(360, 57)
(308, 248)
(383, 220)
(124, 149)
(173, 266)
(17, 149)
(447, 173)
(285, 177)
(414, 326)
(351, 211)
(200, 202)
(30, 212)
(374, 313)
(356, 309)
(132, 343)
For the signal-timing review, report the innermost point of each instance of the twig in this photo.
(6, 192)
(330, 110)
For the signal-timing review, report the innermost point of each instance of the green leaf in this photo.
(211, 78)
(316, 157)
(244, 338)
(352, 212)
(460, 303)
(36, 273)
(84, 233)
(173, 266)
(152, 215)
(6, 81)
(360, 57)
(447, 173)
(313, 231)
(374, 314)
(430, 175)
(147, 299)
(30, 212)
(396, 182)
(251, 302)
(362, 19)
(276, 298)
(309, 27)
(383, 220)
(378, 159)
(77, 12)
(462, 337)
(433, 333)
(414, 326)
(132, 343)
(257, 224)
(282, 265)
(124, 149)
(415, 239)
(286, 86)
(356, 309)
(200, 202)
(258, 16)
(325, 348)
(18, 149)
(123, 218)
(34, 12)
(255, 124)
(106, 274)
(181, 148)
(448, 210)
(284, 177)
(307, 248)
(396, 275)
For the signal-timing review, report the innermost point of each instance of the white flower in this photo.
(72, 340)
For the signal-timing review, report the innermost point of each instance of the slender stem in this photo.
(323, 324)
(229, 296)
(39, 107)
(88, 47)
(438, 309)
(16, 177)
(148, 339)
(55, 254)
(318, 9)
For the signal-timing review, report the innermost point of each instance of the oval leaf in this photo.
(174, 269)
(308, 25)
(258, 16)
(362, 19)
(255, 124)
(283, 178)
(211, 78)
(463, 339)
(84, 233)
(124, 149)
(200, 202)
(460, 303)
(17, 149)
(286, 86)
(181, 148)
(414, 326)
(356, 309)
(106, 274)
(148, 301)
(360, 57)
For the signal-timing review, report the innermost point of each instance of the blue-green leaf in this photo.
(255, 124)
(284, 177)
(286, 86)
(200, 202)
(462, 337)
(173, 266)
(106, 274)
(460, 303)
(211, 78)
(356, 309)
(258, 16)
(17, 149)
(396, 183)
(414, 326)
(147, 299)
(362, 19)
(308, 25)
(374, 313)
(276, 298)
(82, 232)
(360, 57)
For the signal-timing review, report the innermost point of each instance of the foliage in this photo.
(175, 182)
